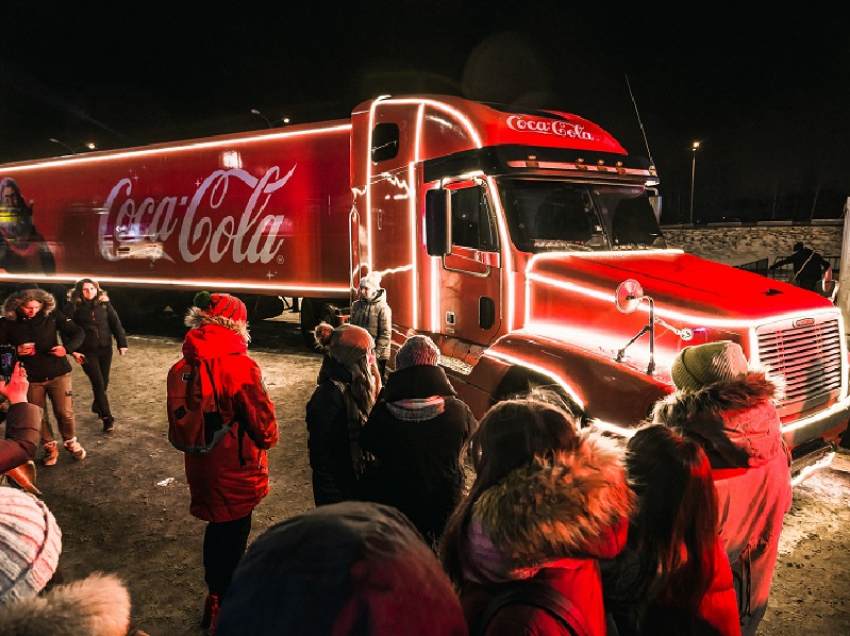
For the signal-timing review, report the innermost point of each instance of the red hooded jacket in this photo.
(230, 480)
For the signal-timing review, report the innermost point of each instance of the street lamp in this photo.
(87, 146)
(694, 148)
(282, 120)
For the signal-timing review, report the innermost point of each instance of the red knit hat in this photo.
(223, 305)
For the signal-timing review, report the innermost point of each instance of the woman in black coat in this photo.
(90, 309)
(416, 432)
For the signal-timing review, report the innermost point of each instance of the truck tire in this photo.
(519, 382)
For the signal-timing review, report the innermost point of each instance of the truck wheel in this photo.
(518, 382)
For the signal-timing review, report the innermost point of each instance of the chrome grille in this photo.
(807, 358)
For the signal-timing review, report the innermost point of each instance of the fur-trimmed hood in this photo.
(735, 421)
(212, 340)
(575, 505)
(96, 606)
(196, 318)
(15, 300)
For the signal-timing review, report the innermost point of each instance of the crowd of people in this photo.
(425, 520)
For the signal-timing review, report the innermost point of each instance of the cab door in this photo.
(471, 271)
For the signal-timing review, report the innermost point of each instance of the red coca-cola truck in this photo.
(524, 243)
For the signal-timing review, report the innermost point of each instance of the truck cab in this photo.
(504, 235)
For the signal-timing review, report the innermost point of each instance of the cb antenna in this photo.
(645, 140)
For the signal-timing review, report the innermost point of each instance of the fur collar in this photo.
(96, 606)
(576, 504)
(211, 340)
(734, 395)
(735, 422)
(13, 302)
(197, 318)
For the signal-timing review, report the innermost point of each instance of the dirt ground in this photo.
(124, 509)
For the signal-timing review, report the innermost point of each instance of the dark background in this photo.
(766, 89)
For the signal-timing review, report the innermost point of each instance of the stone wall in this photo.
(737, 244)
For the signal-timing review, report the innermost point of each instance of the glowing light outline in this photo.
(143, 151)
(436, 266)
(726, 323)
(808, 471)
(414, 226)
(507, 253)
(175, 283)
(613, 428)
(368, 185)
(504, 357)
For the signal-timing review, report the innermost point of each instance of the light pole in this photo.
(694, 148)
(282, 120)
(88, 146)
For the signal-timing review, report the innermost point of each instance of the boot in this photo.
(108, 424)
(51, 455)
(210, 618)
(76, 449)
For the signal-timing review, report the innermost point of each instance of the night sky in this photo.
(766, 92)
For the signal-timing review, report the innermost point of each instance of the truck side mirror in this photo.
(438, 229)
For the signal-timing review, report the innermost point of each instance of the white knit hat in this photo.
(372, 281)
(30, 544)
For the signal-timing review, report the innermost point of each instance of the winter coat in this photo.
(23, 426)
(347, 568)
(549, 522)
(635, 612)
(329, 440)
(416, 433)
(738, 426)
(99, 321)
(96, 606)
(16, 329)
(227, 482)
(376, 317)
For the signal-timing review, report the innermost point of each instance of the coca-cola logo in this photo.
(251, 236)
(557, 127)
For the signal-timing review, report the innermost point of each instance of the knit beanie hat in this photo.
(223, 305)
(697, 367)
(221, 309)
(30, 544)
(347, 344)
(372, 281)
(415, 351)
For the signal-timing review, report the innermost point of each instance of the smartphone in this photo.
(7, 362)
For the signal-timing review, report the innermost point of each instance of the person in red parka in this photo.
(547, 503)
(227, 482)
(728, 409)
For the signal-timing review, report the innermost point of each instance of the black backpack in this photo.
(537, 595)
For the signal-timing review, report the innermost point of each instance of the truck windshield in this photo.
(553, 216)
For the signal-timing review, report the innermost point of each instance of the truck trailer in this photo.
(525, 243)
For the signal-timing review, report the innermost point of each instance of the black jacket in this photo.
(99, 321)
(41, 329)
(328, 440)
(416, 433)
